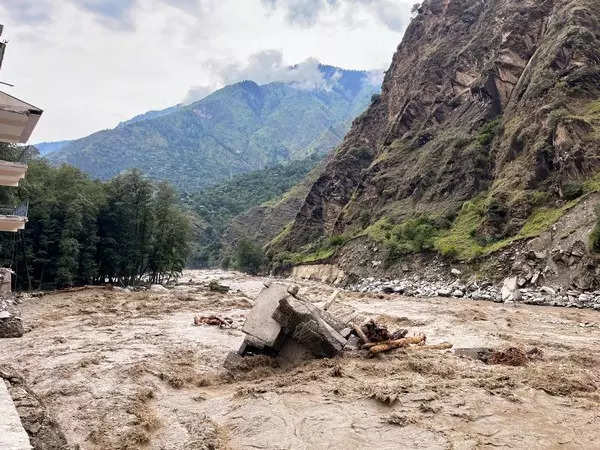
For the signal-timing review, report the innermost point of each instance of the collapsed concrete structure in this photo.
(282, 323)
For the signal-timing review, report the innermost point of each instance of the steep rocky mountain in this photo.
(240, 128)
(487, 132)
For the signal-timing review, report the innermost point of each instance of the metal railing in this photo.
(21, 211)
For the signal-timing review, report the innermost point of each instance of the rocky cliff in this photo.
(486, 133)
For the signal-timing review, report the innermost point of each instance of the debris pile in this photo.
(225, 322)
(283, 323)
(511, 356)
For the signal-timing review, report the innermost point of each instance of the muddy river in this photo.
(130, 370)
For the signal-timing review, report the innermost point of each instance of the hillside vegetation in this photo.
(215, 207)
(241, 128)
(80, 231)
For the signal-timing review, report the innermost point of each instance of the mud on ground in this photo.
(129, 370)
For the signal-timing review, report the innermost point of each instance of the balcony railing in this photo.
(21, 211)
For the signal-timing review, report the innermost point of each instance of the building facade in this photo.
(17, 121)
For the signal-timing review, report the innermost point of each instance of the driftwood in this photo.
(361, 334)
(442, 346)
(396, 336)
(213, 320)
(331, 300)
(404, 342)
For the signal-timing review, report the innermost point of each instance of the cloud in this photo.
(192, 7)
(264, 67)
(394, 14)
(27, 11)
(116, 14)
(176, 44)
(198, 93)
(375, 77)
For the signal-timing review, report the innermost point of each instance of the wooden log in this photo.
(404, 342)
(361, 334)
(442, 346)
(331, 300)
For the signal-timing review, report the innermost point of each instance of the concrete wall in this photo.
(12, 433)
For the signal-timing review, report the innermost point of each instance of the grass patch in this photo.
(312, 254)
(282, 235)
(318, 255)
(460, 240)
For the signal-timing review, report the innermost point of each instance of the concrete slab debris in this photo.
(12, 433)
(260, 326)
(302, 322)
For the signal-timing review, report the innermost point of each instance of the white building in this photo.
(17, 121)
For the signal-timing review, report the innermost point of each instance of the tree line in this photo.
(82, 231)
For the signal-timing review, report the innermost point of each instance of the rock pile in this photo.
(481, 290)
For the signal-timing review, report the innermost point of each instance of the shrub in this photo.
(488, 132)
(336, 241)
(249, 258)
(572, 190)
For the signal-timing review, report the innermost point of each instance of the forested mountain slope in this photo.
(240, 128)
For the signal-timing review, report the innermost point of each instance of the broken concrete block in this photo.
(302, 321)
(261, 328)
(345, 315)
(548, 290)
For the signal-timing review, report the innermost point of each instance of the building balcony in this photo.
(17, 119)
(11, 173)
(2, 48)
(13, 219)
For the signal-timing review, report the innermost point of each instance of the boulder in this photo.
(10, 325)
(578, 249)
(158, 288)
(510, 290)
(548, 290)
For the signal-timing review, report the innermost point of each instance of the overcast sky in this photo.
(93, 63)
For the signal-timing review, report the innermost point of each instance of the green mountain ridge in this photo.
(241, 128)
